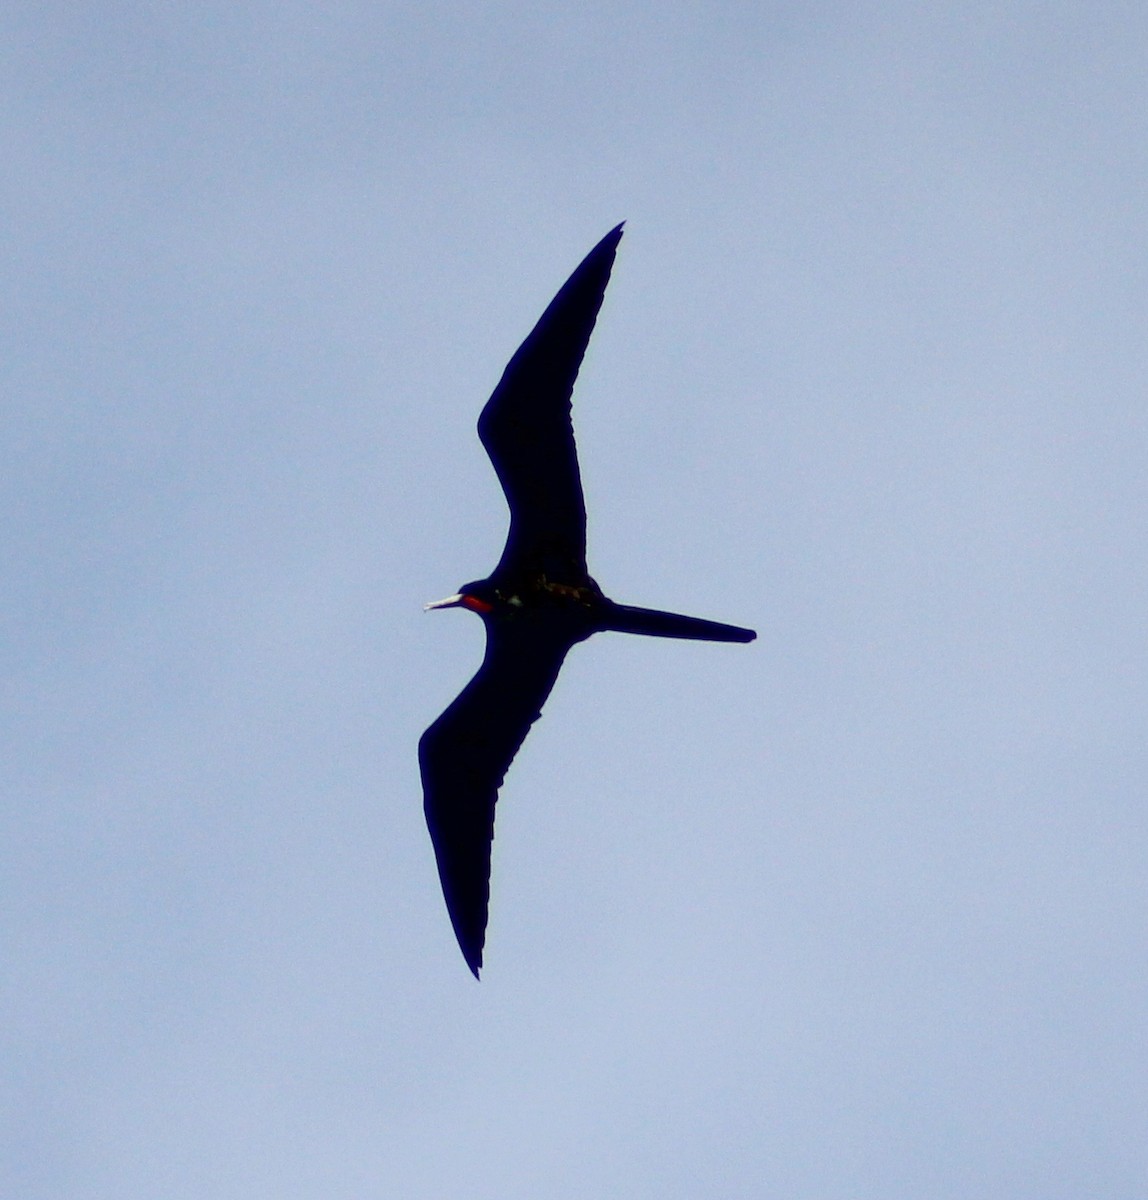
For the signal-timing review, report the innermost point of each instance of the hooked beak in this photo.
(449, 602)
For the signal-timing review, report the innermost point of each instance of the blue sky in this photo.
(856, 911)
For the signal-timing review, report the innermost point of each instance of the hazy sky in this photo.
(857, 912)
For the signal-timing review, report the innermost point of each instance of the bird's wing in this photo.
(526, 427)
(463, 758)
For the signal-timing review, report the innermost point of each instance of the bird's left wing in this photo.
(463, 758)
(526, 429)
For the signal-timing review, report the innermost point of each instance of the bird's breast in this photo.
(569, 593)
(541, 590)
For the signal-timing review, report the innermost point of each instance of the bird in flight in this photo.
(539, 601)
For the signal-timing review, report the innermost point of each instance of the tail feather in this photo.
(625, 618)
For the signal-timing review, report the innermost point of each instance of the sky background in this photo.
(858, 911)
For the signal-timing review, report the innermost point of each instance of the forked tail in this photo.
(624, 618)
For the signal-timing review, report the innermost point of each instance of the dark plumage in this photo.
(539, 601)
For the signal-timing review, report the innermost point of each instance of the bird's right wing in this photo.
(463, 758)
(526, 428)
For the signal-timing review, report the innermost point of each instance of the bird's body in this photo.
(538, 603)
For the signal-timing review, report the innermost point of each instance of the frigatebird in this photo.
(539, 602)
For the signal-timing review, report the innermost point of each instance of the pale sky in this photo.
(856, 912)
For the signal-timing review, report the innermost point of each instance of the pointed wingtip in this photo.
(612, 238)
(604, 252)
(470, 942)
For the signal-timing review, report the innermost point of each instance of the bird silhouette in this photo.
(539, 601)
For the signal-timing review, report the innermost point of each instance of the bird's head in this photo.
(479, 597)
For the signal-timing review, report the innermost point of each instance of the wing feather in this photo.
(527, 431)
(463, 759)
